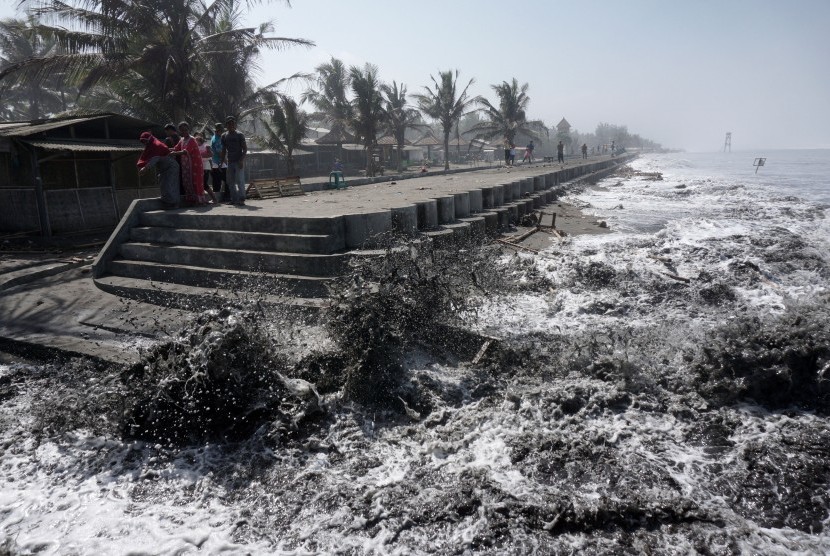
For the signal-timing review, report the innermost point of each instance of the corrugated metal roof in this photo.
(78, 146)
(22, 129)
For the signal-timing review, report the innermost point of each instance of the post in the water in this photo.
(758, 163)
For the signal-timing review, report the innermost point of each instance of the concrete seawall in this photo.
(296, 245)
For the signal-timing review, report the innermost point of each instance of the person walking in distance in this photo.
(512, 154)
(234, 150)
(584, 150)
(506, 152)
(529, 150)
(560, 152)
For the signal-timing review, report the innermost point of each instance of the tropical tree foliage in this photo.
(509, 118)
(368, 115)
(444, 102)
(285, 130)
(32, 99)
(399, 116)
(155, 59)
(329, 94)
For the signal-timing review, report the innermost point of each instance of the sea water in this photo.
(644, 408)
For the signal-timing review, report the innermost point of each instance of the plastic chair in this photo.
(336, 180)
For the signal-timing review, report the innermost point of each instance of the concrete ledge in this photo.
(405, 220)
(427, 214)
(498, 195)
(446, 209)
(476, 200)
(462, 204)
(362, 228)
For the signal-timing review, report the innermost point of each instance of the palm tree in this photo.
(151, 53)
(329, 94)
(30, 99)
(444, 103)
(285, 131)
(399, 116)
(367, 113)
(510, 118)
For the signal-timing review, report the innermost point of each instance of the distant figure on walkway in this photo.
(527, 155)
(506, 152)
(337, 166)
(218, 169)
(560, 152)
(190, 160)
(234, 149)
(613, 149)
(584, 150)
(529, 150)
(157, 155)
(512, 154)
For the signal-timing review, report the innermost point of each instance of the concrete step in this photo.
(235, 259)
(224, 239)
(188, 297)
(226, 279)
(247, 222)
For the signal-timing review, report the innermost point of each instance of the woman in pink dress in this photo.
(190, 159)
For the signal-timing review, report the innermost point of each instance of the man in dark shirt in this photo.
(234, 150)
(560, 152)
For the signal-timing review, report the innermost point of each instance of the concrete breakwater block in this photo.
(507, 193)
(427, 214)
(460, 230)
(526, 186)
(550, 180)
(504, 217)
(491, 222)
(528, 203)
(498, 195)
(446, 209)
(462, 204)
(405, 220)
(441, 237)
(538, 201)
(516, 190)
(476, 201)
(488, 198)
(478, 226)
(538, 183)
(362, 228)
(513, 210)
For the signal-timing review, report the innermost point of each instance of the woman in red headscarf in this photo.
(192, 170)
(157, 155)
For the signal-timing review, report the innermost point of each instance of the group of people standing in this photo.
(184, 163)
(510, 153)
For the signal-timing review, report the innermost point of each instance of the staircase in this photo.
(167, 255)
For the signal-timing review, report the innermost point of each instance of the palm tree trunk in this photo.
(446, 149)
(400, 157)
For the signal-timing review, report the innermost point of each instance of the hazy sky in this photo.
(681, 73)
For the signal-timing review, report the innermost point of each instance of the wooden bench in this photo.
(274, 187)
